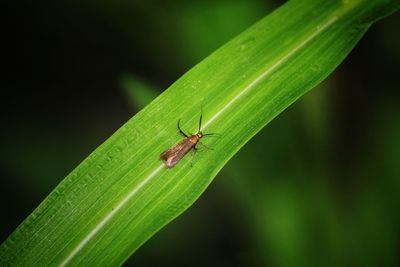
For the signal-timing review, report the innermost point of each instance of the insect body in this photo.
(178, 151)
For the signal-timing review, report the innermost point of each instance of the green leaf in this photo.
(122, 194)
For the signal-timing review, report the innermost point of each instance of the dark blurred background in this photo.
(319, 186)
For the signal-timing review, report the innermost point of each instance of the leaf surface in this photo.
(122, 193)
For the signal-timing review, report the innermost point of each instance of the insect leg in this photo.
(193, 153)
(180, 130)
(212, 134)
(196, 148)
(204, 145)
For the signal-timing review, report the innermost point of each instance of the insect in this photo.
(178, 151)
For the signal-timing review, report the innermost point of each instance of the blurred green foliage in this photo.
(322, 179)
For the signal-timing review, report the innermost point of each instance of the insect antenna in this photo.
(180, 130)
(201, 118)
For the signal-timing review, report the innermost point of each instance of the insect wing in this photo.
(172, 161)
(172, 151)
(175, 153)
(167, 153)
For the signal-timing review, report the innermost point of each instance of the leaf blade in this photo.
(121, 194)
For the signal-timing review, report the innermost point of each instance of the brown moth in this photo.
(178, 151)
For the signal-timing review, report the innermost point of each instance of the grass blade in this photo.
(122, 194)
